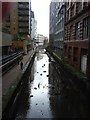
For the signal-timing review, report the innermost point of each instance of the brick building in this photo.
(17, 24)
(77, 35)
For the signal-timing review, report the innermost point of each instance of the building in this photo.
(40, 40)
(23, 18)
(56, 27)
(17, 24)
(33, 26)
(8, 30)
(59, 29)
(52, 21)
(45, 42)
(23, 23)
(77, 35)
(33, 29)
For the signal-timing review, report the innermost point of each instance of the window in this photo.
(76, 55)
(62, 35)
(85, 28)
(14, 28)
(65, 52)
(67, 17)
(72, 11)
(77, 30)
(78, 7)
(71, 32)
(20, 30)
(84, 4)
(69, 52)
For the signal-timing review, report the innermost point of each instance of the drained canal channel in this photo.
(45, 95)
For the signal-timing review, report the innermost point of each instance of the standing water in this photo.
(41, 95)
(34, 99)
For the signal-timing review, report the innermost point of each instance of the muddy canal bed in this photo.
(45, 96)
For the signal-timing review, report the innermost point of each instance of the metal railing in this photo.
(10, 61)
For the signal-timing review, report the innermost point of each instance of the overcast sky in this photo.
(41, 10)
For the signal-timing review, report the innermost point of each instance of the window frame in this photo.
(85, 28)
(77, 30)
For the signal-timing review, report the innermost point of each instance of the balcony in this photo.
(8, 24)
(24, 25)
(22, 6)
(23, 13)
(6, 29)
(23, 31)
(24, 19)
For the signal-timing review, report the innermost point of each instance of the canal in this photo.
(44, 95)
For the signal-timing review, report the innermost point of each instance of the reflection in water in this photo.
(39, 56)
(45, 96)
(36, 91)
(65, 100)
(23, 103)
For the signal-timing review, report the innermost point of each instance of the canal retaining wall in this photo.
(78, 78)
(10, 100)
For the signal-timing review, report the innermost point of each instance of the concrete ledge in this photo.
(14, 88)
(10, 91)
(79, 78)
(68, 67)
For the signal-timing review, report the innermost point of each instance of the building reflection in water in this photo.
(54, 90)
(39, 56)
(65, 100)
(53, 98)
(23, 102)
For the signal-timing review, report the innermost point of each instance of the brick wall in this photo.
(80, 43)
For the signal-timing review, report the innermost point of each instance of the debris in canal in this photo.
(47, 75)
(41, 74)
(31, 95)
(38, 85)
(54, 99)
(44, 71)
(35, 88)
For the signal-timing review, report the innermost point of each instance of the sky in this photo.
(41, 11)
